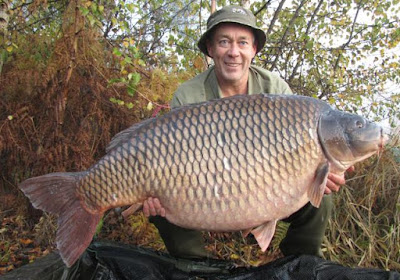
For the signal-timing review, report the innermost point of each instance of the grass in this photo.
(365, 227)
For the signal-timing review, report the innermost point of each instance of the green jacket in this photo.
(205, 87)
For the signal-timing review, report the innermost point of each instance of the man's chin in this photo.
(232, 76)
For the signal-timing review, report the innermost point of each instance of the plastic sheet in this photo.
(110, 261)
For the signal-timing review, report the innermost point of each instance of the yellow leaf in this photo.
(395, 97)
(9, 48)
(234, 257)
(126, 44)
(150, 106)
(26, 241)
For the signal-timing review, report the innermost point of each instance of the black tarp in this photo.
(110, 261)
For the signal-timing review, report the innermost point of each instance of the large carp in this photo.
(239, 163)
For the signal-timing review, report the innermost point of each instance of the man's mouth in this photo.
(231, 64)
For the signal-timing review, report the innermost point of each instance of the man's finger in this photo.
(327, 190)
(152, 209)
(351, 169)
(159, 209)
(146, 210)
(332, 186)
(162, 213)
(157, 204)
(337, 179)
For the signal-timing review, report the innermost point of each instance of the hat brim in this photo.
(261, 38)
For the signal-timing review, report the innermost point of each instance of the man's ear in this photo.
(209, 48)
(255, 48)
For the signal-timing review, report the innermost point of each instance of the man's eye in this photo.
(223, 42)
(244, 43)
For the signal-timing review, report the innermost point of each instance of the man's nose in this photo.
(234, 50)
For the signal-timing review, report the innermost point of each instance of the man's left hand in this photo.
(153, 207)
(335, 181)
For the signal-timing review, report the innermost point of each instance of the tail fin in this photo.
(56, 193)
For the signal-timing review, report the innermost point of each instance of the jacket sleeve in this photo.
(176, 101)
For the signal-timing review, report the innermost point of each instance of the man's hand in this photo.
(152, 207)
(334, 181)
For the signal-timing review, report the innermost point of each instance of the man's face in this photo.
(232, 48)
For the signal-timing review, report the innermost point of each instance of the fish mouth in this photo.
(383, 141)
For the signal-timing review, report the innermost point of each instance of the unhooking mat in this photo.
(110, 261)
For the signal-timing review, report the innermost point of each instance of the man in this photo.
(232, 40)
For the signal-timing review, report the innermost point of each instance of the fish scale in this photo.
(216, 153)
(238, 163)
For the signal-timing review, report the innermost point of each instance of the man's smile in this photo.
(232, 64)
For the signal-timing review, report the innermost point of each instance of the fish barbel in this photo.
(238, 163)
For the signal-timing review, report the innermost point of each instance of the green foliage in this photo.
(343, 51)
(339, 51)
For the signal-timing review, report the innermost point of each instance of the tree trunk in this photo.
(213, 8)
(4, 6)
(3, 16)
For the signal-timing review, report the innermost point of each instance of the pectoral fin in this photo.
(264, 234)
(317, 188)
(246, 232)
(132, 209)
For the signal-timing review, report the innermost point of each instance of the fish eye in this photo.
(359, 124)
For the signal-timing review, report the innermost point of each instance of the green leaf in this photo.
(93, 7)
(117, 52)
(128, 60)
(99, 226)
(131, 91)
(134, 79)
(130, 7)
(84, 11)
(115, 80)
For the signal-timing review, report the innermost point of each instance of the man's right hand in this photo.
(153, 207)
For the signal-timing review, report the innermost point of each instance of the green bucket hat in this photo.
(232, 14)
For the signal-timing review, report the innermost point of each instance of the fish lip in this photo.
(383, 141)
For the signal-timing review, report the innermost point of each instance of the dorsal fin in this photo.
(125, 134)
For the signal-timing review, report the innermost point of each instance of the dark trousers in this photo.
(304, 236)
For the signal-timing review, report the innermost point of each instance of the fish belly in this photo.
(230, 208)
